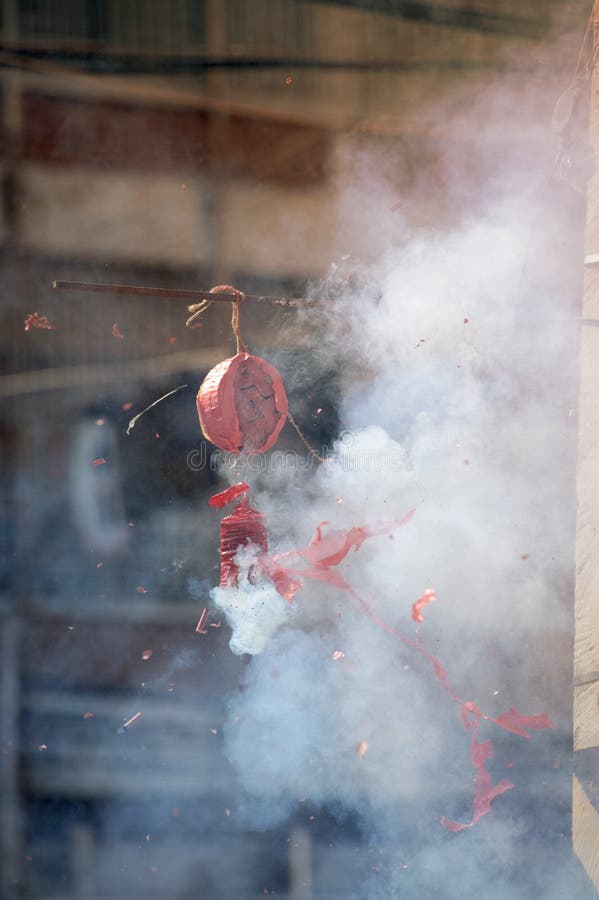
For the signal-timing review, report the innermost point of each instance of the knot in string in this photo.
(198, 309)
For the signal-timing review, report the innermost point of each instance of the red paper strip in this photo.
(201, 626)
(484, 789)
(323, 552)
(329, 550)
(116, 332)
(217, 501)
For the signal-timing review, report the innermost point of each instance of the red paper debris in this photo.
(147, 654)
(326, 551)
(201, 626)
(331, 549)
(427, 597)
(338, 654)
(516, 722)
(88, 715)
(361, 748)
(141, 590)
(99, 462)
(484, 789)
(33, 320)
(217, 501)
(323, 552)
(116, 331)
(127, 406)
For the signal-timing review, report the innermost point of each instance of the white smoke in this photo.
(254, 611)
(457, 369)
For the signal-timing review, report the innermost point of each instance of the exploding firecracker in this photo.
(320, 561)
(242, 406)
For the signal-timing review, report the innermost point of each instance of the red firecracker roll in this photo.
(242, 404)
(244, 526)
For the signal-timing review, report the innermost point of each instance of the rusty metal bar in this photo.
(172, 293)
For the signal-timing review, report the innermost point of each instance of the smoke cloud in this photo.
(456, 358)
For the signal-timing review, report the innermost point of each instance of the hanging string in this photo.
(241, 347)
(304, 440)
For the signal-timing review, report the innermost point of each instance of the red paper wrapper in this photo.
(244, 526)
(242, 405)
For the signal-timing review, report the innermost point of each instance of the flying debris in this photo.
(201, 626)
(34, 320)
(132, 721)
(427, 597)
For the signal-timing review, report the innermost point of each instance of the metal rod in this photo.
(172, 293)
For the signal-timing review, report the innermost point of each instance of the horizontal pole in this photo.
(135, 290)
